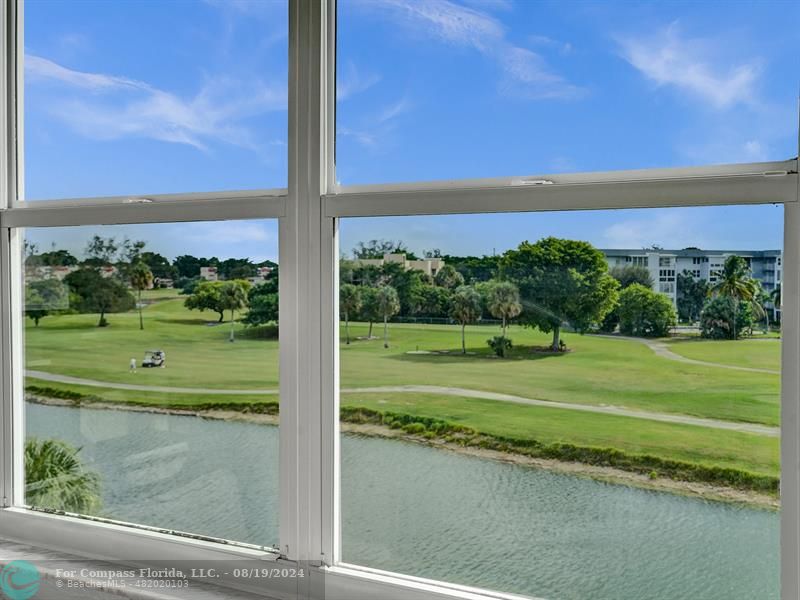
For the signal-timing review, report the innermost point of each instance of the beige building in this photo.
(429, 266)
(209, 273)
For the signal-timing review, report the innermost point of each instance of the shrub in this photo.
(414, 428)
(500, 345)
(645, 313)
(716, 320)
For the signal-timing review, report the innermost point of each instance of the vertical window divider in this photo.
(308, 265)
(790, 405)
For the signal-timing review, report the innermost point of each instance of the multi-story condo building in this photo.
(665, 265)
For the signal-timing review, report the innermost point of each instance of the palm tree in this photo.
(56, 479)
(776, 297)
(141, 279)
(502, 299)
(465, 307)
(734, 282)
(234, 297)
(349, 304)
(760, 299)
(389, 305)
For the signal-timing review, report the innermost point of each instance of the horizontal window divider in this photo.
(758, 168)
(351, 582)
(196, 207)
(140, 547)
(775, 183)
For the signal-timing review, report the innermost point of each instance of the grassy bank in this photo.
(657, 449)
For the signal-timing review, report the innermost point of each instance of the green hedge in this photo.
(260, 408)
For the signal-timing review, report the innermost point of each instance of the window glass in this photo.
(448, 89)
(151, 379)
(138, 97)
(525, 409)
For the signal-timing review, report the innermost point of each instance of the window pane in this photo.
(441, 89)
(138, 97)
(591, 413)
(151, 380)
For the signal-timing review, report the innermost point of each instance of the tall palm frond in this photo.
(56, 479)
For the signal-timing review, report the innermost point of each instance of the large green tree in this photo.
(433, 301)
(43, 297)
(449, 278)
(56, 479)
(207, 295)
(465, 307)
(645, 313)
(159, 265)
(94, 293)
(561, 281)
(377, 248)
(263, 302)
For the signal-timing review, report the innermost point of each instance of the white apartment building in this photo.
(665, 265)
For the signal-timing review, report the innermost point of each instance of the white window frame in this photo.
(308, 213)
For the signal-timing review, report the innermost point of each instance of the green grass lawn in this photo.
(763, 353)
(599, 371)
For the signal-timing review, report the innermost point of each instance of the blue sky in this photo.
(132, 98)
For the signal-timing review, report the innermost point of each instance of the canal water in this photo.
(431, 513)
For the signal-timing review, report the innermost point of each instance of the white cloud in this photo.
(40, 69)
(350, 81)
(548, 42)
(118, 107)
(377, 126)
(530, 69)
(527, 73)
(688, 64)
(230, 232)
(664, 228)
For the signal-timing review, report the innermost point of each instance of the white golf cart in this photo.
(154, 358)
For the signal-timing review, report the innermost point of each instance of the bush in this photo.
(716, 320)
(611, 321)
(500, 345)
(645, 313)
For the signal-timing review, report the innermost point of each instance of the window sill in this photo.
(81, 585)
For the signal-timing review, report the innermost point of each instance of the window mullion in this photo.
(307, 261)
(790, 406)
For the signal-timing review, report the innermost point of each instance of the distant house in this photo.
(429, 266)
(163, 282)
(209, 273)
(39, 272)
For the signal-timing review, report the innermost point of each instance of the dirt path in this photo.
(662, 349)
(444, 391)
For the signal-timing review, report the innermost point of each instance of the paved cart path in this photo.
(445, 391)
(663, 350)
